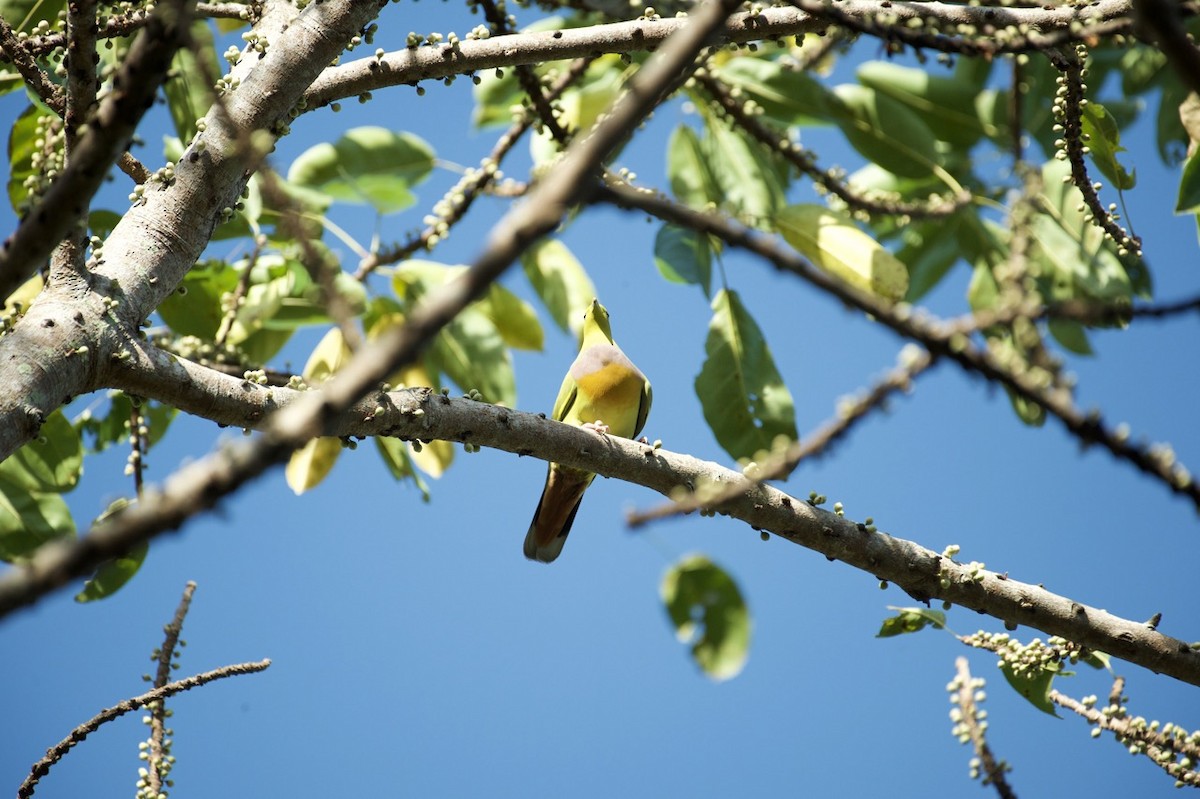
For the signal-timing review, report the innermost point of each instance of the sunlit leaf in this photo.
(688, 170)
(22, 146)
(29, 519)
(945, 103)
(560, 281)
(472, 354)
(514, 319)
(1103, 138)
(396, 456)
(708, 612)
(788, 96)
(930, 250)
(51, 462)
(836, 245)
(312, 463)
(370, 165)
(751, 180)
(741, 392)
(885, 131)
(1071, 334)
(911, 620)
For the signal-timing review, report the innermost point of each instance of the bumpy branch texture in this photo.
(77, 328)
(420, 414)
(441, 61)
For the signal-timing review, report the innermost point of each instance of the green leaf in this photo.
(29, 519)
(835, 244)
(1078, 259)
(788, 96)
(930, 250)
(194, 309)
(514, 319)
(52, 462)
(1033, 684)
(472, 354)
(113, 574)
(1097, 660)
(886, 132)
(581, 104)
(22, 146)
(1103, 138)
(1189, 186)
(743, 397)
(1071, 334)
(911, 620)
(113, 426)
(692, 180)
(23, 15)
(368, 165)
(469, 350)
(751, 181)
(102, 222)
(683, 256)
(707, 610)
(560, 281)
(395, 455)
(188, 90)
(945, 104)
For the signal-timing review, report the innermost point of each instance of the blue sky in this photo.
(417, 653)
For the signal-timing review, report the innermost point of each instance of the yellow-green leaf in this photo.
(910, 620)
(741, 392)
(836, 245)
(312, 463)
(708, 612)
(560, 281)
(370, 165)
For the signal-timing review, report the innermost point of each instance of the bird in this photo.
(602, 391)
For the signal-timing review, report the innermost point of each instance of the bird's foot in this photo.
(598, 426)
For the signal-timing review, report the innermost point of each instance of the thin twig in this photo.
(460, 198)
(59, 750)
(65, 202)
(803, 160)
(158, 710)
(1088, 427)
(971, 721)
(781, 464)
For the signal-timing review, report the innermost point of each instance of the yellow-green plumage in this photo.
(602, 386)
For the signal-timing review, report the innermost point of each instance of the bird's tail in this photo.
(555, 514)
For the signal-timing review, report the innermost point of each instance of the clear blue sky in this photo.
(417, 653)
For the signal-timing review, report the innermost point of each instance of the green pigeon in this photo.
(603, 391)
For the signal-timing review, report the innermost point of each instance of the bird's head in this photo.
(595, 322)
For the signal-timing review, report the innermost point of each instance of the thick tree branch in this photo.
(106, 137)
(421, 414)
(75, 330)
(1058, 25)
(202, 484)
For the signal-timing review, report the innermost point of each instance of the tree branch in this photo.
(1088, 427)
(59, 750)
(106, 137)
(421, 414)
(72, 333)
